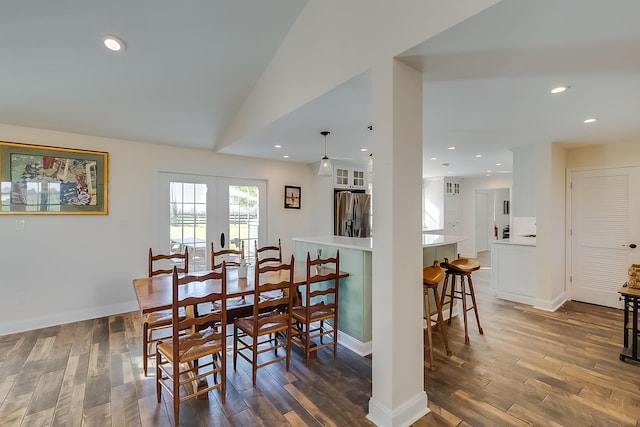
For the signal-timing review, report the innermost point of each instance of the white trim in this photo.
(511, 296)
(67, 317)
(358, 347)
(551, 305)
(405, 415)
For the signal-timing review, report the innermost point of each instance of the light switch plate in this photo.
(20, 224)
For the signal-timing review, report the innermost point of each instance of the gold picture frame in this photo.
(43, 180)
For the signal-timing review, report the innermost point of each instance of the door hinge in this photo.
(570, 279)
(571, 185)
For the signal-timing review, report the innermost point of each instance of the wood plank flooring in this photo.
(529, 368)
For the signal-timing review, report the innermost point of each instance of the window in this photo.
(188, 221)
(195, 211)
(244, 218)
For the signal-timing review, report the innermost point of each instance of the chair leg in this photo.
(464, 309)
(145, 347)
(158, 378)
(254, 348)
(428, 320)
(307, 344)
(452, 291)
(288, 348)
(475, 306)
(223, 373)
(443, 331)
(235, 347)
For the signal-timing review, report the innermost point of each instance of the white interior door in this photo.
(482, 221)
(605, 227)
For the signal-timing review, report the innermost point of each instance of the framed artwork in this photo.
(291, 197)
(37, 179)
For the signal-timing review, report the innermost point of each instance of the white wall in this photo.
(469, 186)
(604, 155)
(66, 268)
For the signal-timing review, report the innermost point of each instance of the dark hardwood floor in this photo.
(529, 368)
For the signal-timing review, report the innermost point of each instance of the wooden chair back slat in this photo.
(268, 254)
(182, 259)
(225, 255)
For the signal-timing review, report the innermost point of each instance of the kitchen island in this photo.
(354, 313)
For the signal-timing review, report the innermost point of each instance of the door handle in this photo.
(632, 246)
(222, 240)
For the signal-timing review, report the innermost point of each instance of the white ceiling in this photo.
(189, 65)
(186, 70)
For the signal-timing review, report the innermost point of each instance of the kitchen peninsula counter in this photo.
(513, 269)
(355, 314)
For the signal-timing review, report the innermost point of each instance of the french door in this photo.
(196, 210)
(605, 228)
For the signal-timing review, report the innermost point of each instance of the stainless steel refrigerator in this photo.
(352, 214)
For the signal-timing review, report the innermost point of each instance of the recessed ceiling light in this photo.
(488, 170)
(478, 155)
(559, 89)
(286, 156)
(434, 158)
(498, 164)
(114, 43)
(451, 148)
(590, 120)
(449, 172)
(488, 174)
(364, 149)
(277, 146)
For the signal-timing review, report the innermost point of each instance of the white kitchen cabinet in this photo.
(513, 270)
(349, 177)
(442, 208)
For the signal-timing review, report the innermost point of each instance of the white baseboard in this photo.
(522, 299)
(358, 347)
(405, 415)
(551, 305)
(28, 324)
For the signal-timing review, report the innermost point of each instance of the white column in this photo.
(398, 397)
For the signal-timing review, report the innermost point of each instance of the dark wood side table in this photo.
(631, 304)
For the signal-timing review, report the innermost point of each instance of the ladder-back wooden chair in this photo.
(185, 360)
(318, 317)
(159, 320)
(255, 335)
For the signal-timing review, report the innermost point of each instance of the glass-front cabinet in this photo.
(349, 177)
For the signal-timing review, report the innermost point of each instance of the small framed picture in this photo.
(291, 197)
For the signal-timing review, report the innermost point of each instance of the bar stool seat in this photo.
(431, 276)
(462, 268)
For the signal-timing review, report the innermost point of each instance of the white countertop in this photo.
(430, 240)
(365, 243)
(362, 243)
(520, 241)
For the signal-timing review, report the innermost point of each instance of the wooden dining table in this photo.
(155, 293)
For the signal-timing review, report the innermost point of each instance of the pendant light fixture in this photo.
(325, 164)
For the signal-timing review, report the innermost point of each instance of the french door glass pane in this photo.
(244, 218)
(188, 222)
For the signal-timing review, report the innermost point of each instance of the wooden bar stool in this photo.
(431, 276)
(462, 268)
